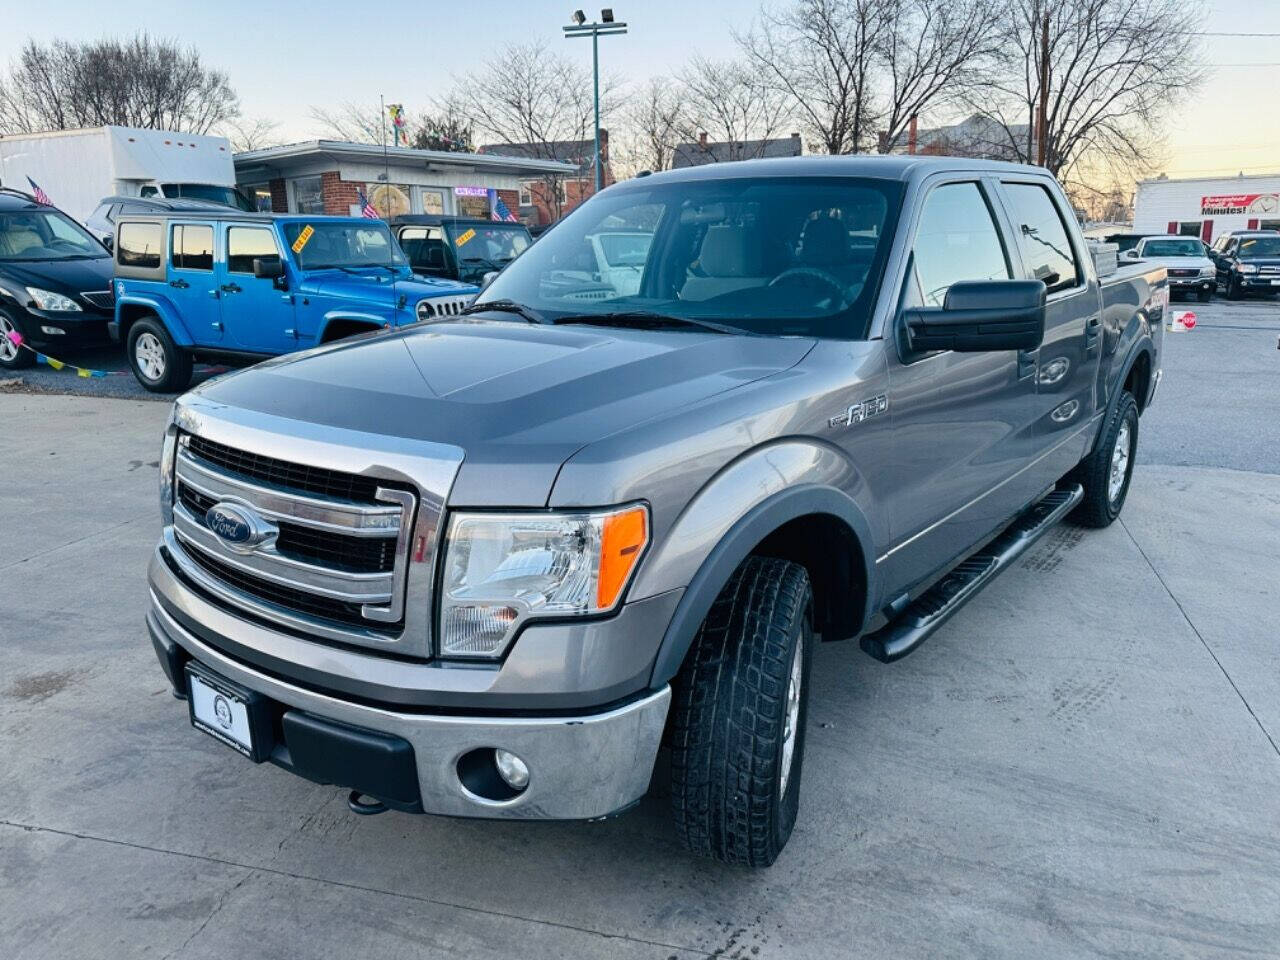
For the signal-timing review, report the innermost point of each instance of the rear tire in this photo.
(1106, 472)
(12, 356)
(738, 720)
(159, 364)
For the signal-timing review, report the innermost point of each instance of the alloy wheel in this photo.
(1119, 462)
(791, 721)
(149, 354)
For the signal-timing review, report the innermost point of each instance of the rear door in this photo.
(193, 281)
(1067, 371)
(962, 422)
(258, 315)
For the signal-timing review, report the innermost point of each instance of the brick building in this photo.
(548, 197)
(326, 177)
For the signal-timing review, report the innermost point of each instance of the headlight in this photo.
(1247, 267)
(503, 569)
(47, 300)
(1209, 271)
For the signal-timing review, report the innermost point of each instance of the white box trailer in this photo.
(77, 168)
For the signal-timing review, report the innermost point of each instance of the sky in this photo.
(285, 56)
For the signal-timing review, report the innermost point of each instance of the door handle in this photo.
(1092, 334)
(180, 284)
(1027, 360)
(230, 288)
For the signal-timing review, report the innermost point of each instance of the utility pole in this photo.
(606, 27)
(1042, 122)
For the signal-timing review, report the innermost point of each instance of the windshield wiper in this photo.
(507, 306)
(647, 318)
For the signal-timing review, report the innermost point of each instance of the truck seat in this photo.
(732, 257)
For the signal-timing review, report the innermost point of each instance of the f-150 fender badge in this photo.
(858, 412)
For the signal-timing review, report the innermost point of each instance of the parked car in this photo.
(102, 222)
(1248, 262)
(459, 248)
(1190, 271)
(239, 287)
(484, 568)
(55, 281)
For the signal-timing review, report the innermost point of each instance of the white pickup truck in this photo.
(1189, 267)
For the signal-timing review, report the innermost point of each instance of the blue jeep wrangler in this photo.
(240, 287)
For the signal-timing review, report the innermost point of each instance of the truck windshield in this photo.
(1173, 248)
(481, 249)
(45, 235)
(1259, 247)
(227, 196)
(765, 255)
(344, 244)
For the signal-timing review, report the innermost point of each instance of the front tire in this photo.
(159, 364)
(12, 356)
(1233, 289)
(1205, 294)
(1106, 472)
(738, 721)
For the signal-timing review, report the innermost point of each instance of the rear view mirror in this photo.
(488, 278)
(980, 315)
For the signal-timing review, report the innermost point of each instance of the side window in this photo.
(192, 247)
(956, 240)
(139, 245)
(246, 244)
(1046, 244)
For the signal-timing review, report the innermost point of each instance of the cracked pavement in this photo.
(1083, 762)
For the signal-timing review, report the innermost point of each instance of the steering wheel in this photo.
(814, 273)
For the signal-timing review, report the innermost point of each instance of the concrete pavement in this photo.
(1084, 762)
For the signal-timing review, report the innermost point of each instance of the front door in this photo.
(193, 281)
(258, 315)
(1066, 381)
(963, 423)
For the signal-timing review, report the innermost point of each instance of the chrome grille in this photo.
(332, 553)
(102, 299)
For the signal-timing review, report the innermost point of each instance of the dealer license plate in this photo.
(220, 712)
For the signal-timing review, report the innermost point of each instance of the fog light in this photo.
(53, 331)
(512, 769)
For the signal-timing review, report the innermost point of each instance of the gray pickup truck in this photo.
(488, 566)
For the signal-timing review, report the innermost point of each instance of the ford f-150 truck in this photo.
(486, 566)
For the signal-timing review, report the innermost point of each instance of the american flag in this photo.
(499, 210)
(40, 195)
(366, 208)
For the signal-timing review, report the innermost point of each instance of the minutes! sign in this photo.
(1230, 203)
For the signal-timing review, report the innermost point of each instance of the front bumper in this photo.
(581, 767)
(84, 329)
(1192, 283)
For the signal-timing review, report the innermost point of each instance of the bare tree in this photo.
(536, 104)
(932, 53)
(653, 122)
(140, 82)
(246, 134)
(819, 55)
(351, 122)
(1115, 71)
(730, 102)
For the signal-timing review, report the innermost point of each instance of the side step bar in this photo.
(936, 605)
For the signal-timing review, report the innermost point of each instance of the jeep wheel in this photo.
(159, 364)
(1106, 472)
(739, 713)
(12, 356)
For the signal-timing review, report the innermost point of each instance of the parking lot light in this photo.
(606, 27)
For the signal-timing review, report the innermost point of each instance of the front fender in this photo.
(375, 320)
(735, 511)
(162, 307)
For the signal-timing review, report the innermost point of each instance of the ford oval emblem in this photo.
(236, 526)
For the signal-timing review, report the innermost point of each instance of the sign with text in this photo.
(1235, 203)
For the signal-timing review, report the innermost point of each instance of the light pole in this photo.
(606, 27)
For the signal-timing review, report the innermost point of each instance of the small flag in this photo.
(40, 195)
(499, 210)
(366, 208)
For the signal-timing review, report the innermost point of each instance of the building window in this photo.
(308, 195)
(1189, 228)
(389, 199)
(526, 193)
(259, 195)
(432, 201)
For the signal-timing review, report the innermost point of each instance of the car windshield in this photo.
(1259, 247)
(348, 244)
(227, 196)
(481, 249)
(1173, 248)
(796, 256)
(45, 235)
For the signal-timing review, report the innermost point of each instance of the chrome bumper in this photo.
(580, 767)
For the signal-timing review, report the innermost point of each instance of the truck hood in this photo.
(519, 399)
(377, 286)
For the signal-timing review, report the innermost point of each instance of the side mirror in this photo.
(488, 278)
(271, 268)
(981, 315)
(1131, 254)
(109, 242)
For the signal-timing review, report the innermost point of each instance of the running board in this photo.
(936, 605)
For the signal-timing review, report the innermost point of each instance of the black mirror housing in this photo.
(981, 315)
(268, 268)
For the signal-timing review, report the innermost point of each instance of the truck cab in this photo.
(459, 248)
(195, 281)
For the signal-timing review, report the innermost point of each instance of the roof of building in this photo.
(976, 135)
(580, 154)
(400, 156)
(1228, 178)
(718, 151)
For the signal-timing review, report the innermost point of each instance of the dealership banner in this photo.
(1233, 203)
